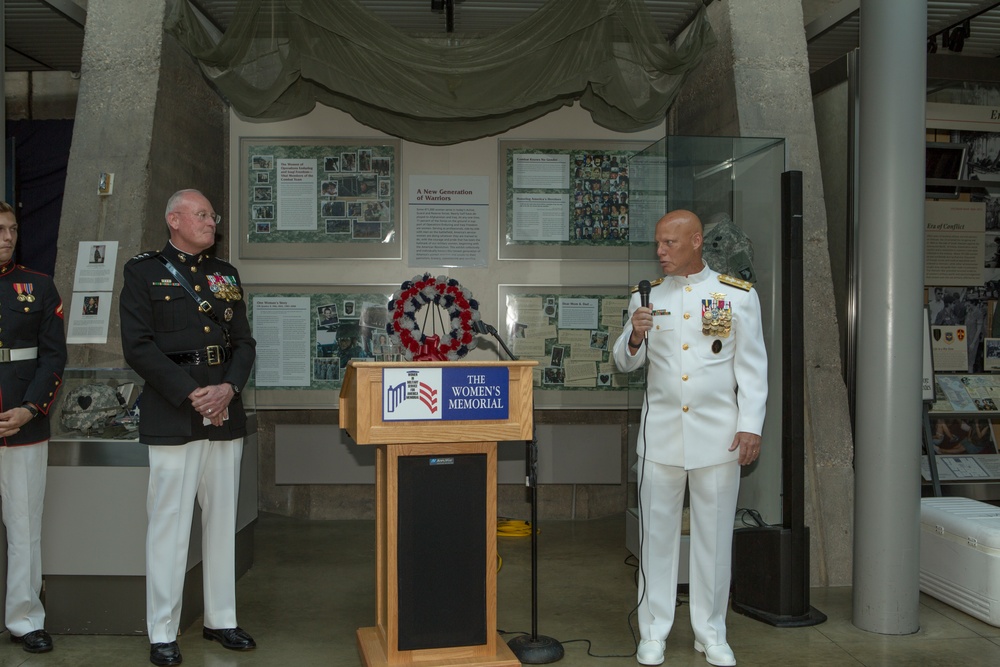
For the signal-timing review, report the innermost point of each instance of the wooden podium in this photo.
(436, 481)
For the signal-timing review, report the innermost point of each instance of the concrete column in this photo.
(145, 114)
(893, 73)
(755, 83)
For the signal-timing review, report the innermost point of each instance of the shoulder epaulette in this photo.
(744, 285)
(27, 270)
(652, 283)
(144, 255)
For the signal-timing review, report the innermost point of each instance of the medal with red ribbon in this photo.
(24, 292)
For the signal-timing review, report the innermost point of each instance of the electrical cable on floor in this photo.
(630, 560)
(513, 528)
(757, 520)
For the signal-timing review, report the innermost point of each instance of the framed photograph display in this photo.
(305, 336)
(571, 332)
(565, 199)
(319, 198)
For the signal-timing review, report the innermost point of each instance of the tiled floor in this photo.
(312, 586)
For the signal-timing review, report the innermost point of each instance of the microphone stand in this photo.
(534, 649)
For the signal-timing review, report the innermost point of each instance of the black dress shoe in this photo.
(166, 653)
(36, 641)
(236, 639)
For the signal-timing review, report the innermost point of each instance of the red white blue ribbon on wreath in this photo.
(445, 293)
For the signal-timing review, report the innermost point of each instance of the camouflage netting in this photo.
(278, 61)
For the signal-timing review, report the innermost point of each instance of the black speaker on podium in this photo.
(442, 531)
(771, 563)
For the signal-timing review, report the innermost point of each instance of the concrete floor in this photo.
(312, 586)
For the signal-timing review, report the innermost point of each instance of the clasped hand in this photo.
(12, 420)
(212, 402)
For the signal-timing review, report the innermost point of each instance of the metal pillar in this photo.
(893, 70)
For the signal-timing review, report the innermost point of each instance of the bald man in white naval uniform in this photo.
(706, 389)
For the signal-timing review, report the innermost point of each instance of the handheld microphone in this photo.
(644, 288)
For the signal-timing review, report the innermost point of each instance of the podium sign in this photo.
(449, 394)
(435, 426)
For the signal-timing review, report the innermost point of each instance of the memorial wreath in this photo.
(445, 293)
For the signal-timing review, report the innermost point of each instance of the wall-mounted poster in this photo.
(570, 332)
(565, 199)
(304, 198)
(306, 335)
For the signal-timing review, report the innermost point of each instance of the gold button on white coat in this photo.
(687, 316)
(687, 289)
(685, 408)
(684, 346)
(684, 377)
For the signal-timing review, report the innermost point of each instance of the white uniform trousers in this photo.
(713, 491)
(210, 471)
(22, 490)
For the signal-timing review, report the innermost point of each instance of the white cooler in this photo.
(960, 555)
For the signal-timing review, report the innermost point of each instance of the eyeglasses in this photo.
(204, 216)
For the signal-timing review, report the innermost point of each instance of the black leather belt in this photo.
(213, 355)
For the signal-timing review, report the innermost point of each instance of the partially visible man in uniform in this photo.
(32, 359)
(706, 388)
(185, 331)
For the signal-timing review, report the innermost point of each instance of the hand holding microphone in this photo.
(644, 288)
(642, 320)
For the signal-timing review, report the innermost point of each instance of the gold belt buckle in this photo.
(214, 355)
(4, 355)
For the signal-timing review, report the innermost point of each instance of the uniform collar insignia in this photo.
(8, 267)
(186, 258)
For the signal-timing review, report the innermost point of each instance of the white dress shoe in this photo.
(650, 652)
(717, 654)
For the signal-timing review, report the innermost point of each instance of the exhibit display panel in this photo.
(94, 523)
(962, 283)
(733, 184)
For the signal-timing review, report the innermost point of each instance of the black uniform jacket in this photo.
(37, 322)
(159, 317)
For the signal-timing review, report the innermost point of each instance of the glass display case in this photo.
(734, 185)
(102, 404)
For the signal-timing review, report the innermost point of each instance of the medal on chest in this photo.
(24, 292)
(716, 316)
(224, 287)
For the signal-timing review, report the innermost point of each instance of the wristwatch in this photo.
(30, 407)
(236, 388)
